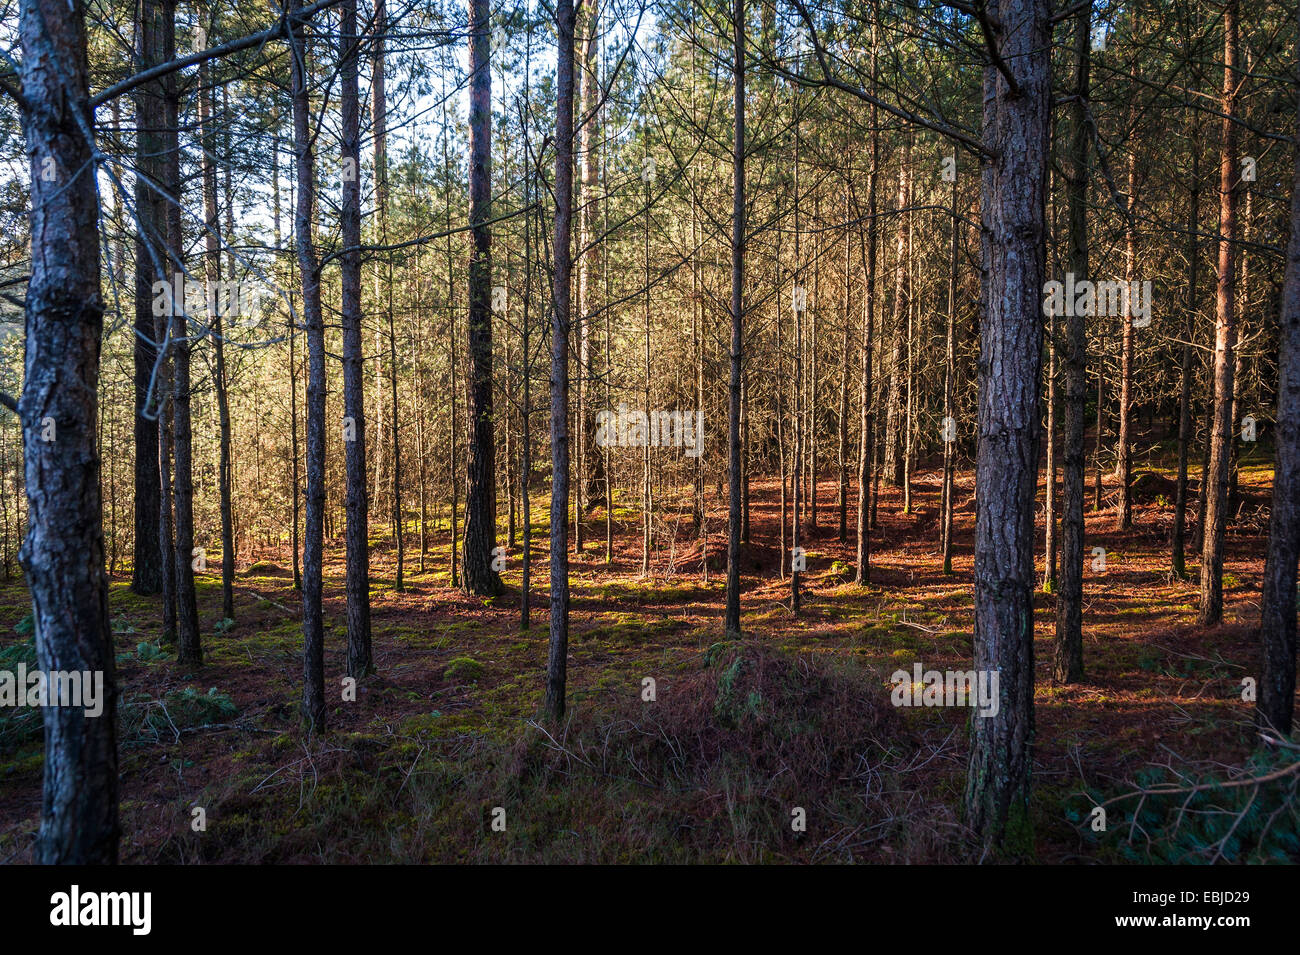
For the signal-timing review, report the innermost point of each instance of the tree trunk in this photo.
(313, 620)
(1124, 442)
(359, 660)
(1225, 336)
(893, 464)
(647, 498)
(63, 554)
(190, 653)
(557, 662)
(1067, 657)
(525, 431)
(1179, 555)
(732, 622)
(949, 409)
(587, 51)
(379, 118)
(150, 243)
(862, 573)
(212, 276)
(480, 498)
(842, 431)
(1015, 129)
(1278, 604)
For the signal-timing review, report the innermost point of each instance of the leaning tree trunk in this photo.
(1225, 337)
(359, 660)
(313, 620)
(480, 497)
(1016, 125)
(557, 662)
(1278, 617)
(64, 551)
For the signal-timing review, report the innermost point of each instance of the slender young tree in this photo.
(562, 263)
(1225, 335)
(359, 659)
(216, 302)
(1124, 439)
(150, 241)
(737, 317)
(313, 619)
(379, 123)
(949, 409)
(1067, 656)
(189, 650)
(587, 54)
(1179, 550)
(862, 571)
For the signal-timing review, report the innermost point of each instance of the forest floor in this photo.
(738, 739)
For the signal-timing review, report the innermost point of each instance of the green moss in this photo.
(463, 670)
(629, 629)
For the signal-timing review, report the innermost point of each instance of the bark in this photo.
(1225, 336)
(647, 494)
(313, 621)
(1179, 556)
(379, 119)
(1067, 657)
(842, 431)
(732, 623)
(63, 554)
(862, 572)
(1015, 128)
(1124, 441)
(800, 450)
(587, 51)
(525, 430)
(359, 659)
(557, 662)
(1278, 604)
(949, 408)
(189, 650)
(150, 243)
(480, 497)
(212, 277)
(893, 464)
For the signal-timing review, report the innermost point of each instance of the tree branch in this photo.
(281, 29)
